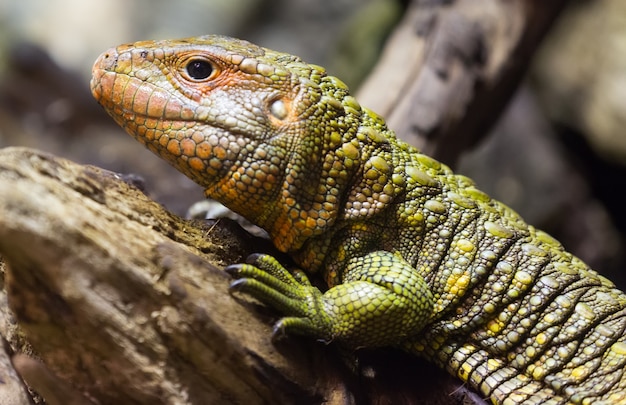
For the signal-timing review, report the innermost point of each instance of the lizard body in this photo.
(414, 255)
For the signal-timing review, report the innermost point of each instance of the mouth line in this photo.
(127, 112)
(129, 116)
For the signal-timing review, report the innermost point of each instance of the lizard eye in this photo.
(199, 69)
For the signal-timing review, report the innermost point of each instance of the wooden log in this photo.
(119, 301)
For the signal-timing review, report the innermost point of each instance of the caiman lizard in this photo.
(414, 255)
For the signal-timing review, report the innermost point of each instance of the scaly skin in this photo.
(414, 255)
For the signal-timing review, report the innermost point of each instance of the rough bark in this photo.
(114, 300)
(123, 301)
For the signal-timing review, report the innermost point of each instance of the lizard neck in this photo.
(335, 167)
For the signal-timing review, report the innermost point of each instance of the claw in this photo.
(233, 269)
(237, 285)
(278, 332)
(252, 259)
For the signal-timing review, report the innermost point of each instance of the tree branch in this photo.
(450, 68)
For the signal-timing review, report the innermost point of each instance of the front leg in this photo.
(381, 301)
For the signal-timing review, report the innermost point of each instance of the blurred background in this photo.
(557, 156)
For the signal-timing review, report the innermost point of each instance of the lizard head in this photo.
(266, 134)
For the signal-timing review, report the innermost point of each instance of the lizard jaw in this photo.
(167, 125)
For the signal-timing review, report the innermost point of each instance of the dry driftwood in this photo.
(123, 301)
(119, 301)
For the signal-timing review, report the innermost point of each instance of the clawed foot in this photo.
(264, 278)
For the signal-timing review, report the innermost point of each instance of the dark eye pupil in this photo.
(199, 69)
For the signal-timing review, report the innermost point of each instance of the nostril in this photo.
(107, 60)
(101, 79)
